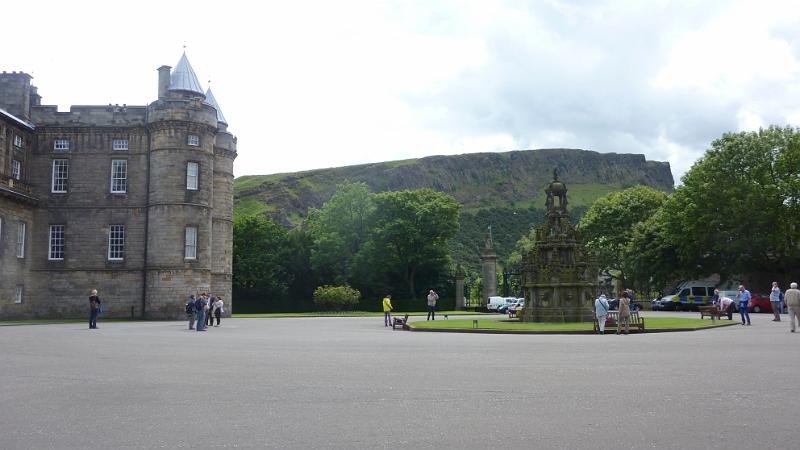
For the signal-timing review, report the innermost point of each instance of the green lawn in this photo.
(502, 324)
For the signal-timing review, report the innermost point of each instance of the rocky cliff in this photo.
(477, 181)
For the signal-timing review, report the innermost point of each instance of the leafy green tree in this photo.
(608, 226)
(339, 229)
(259, 256)
(737, 209)
(409, 239)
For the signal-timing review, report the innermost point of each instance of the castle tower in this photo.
(183, 129)
(222, 215)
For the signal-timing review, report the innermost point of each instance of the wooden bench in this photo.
(710, 311)
(403, 323)
(636, 322)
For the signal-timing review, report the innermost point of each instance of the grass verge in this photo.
(353, 314)
(662, 323)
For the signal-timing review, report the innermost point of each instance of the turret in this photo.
(183, 131)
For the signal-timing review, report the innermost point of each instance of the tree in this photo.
(737, 208)
(259, 257)
(410, 233)
(339, 229)
(608, 226)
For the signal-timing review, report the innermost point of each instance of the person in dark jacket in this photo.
(94, 306)
(190, 311)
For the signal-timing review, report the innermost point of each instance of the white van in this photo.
(495, 302)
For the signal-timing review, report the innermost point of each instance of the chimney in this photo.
(163, 81)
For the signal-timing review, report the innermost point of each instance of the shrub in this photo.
(336, 298)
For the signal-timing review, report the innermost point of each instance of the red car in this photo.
(759, 303)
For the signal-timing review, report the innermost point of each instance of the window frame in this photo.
(193, 140)
(115, 188)
(61, 144)
(116, 243)
(21, 240)
(56, 243)
(65, 179)
(19, 142)
(16, 169)
(187, 245)
(120, 147)
(18, 294)
(196, 176)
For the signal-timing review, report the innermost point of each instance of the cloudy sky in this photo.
(311, 84)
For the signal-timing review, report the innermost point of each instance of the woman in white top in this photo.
(218, 309)
(601, 311)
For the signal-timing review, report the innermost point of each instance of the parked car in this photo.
(759, 303)
(508, 302)
(613, 305)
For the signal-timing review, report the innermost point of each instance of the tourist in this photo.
(743, 296)
(202, 306)
(775, 301)
(190, 310)
(218, 309)
(387, 307)
(624, 312)
(727, 306)
(432, 297)
(211, 298)
(94, 307)
(792, 299)
(601, 312)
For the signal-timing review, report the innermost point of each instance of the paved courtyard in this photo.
(349, 383)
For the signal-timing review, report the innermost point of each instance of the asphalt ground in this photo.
(350, 383)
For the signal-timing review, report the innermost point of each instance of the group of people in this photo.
(601, 308)
(203, 310)
(387, 307)
(791, 297)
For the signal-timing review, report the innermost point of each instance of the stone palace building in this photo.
(134, 201)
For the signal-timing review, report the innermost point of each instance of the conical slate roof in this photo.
(213, 102)
(183, 77)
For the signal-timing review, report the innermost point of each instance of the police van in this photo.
(688, 296)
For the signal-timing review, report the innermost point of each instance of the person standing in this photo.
(210, 311)
(792, 299)
(218, 309)
(432, 297)
(743, 296)
(775, 301)
(387, 308)
(624, 313)
(190, 311)
(601, 312)
(202, 307)
(94, 306)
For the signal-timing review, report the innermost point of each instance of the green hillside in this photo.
(501, 189)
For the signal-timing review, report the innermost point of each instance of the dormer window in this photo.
(193, 140)
(61, 144)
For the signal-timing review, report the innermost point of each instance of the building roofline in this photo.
(25, 124)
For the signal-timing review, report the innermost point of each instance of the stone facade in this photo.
(109, 200)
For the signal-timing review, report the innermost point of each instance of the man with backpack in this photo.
(190, 311)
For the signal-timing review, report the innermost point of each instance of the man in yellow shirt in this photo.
(387, 307)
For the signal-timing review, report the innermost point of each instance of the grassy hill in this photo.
(505, 190)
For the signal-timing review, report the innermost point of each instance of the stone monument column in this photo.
(489, 270)
(459, 277)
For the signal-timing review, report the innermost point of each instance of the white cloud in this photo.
(312, 84)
